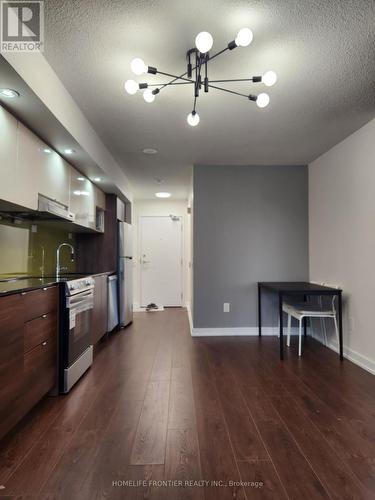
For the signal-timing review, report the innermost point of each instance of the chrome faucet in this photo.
(58, 267)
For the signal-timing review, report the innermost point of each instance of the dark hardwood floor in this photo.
(217, 418)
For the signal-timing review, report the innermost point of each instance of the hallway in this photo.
(201, 414)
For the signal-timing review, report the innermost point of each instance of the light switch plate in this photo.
(226, 307)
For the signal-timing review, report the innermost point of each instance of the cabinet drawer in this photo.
(39, 302)
(40, 329)
(40, 371)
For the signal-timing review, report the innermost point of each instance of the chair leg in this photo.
(336, 329)
(324, 330)
(289, 328)
(300, 337)
(278, 326)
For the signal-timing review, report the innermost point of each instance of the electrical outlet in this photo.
(34, 228)
(226, 307)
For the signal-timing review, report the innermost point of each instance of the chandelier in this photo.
(196, 74)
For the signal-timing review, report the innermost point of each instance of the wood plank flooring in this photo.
(163, 416)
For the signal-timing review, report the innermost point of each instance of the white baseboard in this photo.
(232, 332)
(353, 356)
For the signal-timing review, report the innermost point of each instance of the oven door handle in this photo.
(80, 299)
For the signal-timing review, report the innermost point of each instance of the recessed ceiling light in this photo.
(47, 151)
(97, 179)
(69, 151)
(80, 179)
(149, 151)
(81, 193)
(163, 195)
(9, 93)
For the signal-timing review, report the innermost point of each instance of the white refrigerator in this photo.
(125, 273)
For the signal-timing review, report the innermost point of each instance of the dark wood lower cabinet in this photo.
(28, 352)
(99, 323)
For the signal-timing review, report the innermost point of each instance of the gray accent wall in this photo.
(250, 225)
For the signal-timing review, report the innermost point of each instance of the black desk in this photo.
(306, 289)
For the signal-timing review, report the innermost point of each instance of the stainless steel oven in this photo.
(75, 340)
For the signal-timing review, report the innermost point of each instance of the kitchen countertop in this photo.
(27, 283)
(107, 273)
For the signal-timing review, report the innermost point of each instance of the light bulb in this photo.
(148, 96)
(204, 41)
(263, 100)
(193, 119)
(138, 66)
(11, 94)
(131, 87)
(269, 78)
(163, 195)
(244, 37)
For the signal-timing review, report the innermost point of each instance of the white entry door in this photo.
(161, 260)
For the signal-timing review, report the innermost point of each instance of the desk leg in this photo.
(340, 325)
(305, 320)
(259, 310)
(281, 326)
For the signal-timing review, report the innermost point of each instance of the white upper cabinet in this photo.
(8, 156)
(28, 167)
(42, 171)
(99, 198)
(82, 199)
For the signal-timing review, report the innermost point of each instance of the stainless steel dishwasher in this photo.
(113, 315)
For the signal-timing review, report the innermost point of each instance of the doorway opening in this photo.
(161, 260)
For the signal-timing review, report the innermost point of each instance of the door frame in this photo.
(139, 256)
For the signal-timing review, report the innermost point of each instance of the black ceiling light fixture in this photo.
(196, 74)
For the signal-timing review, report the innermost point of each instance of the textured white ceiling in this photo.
(322, 50)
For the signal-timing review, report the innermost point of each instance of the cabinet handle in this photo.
(44, 343)
(44, 316)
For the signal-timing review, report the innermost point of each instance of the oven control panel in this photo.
(80, 285)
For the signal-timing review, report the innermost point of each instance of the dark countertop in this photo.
(107, 273)
(28, 283)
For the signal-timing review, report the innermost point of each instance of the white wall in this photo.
(162, 208)
(342, 235)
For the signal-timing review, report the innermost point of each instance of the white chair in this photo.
(303, 310)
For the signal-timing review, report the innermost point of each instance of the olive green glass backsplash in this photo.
(30, 248)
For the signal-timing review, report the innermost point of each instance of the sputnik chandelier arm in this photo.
(197, 60)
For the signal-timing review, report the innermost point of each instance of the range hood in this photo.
(48, 210)
(53, 209)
